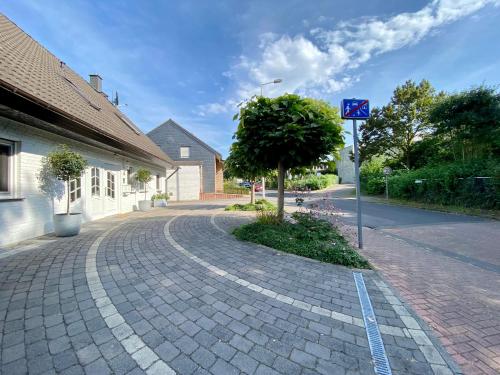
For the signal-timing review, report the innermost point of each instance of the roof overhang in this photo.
(22, 107)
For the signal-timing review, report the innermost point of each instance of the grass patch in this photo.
(308, 237)
(259, 205)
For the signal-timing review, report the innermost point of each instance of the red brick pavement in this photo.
(461, 302)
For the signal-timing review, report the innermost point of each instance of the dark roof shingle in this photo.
(33, 70)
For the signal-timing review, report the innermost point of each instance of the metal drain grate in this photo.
(374, 339)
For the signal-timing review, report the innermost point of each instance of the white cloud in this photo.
(325, 60)
(217, 108)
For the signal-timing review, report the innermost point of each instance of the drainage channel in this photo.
(379, 356)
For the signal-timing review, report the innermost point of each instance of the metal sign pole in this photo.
(358, 192)
(386, 188)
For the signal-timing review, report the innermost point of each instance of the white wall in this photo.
(345, 166)
(185, 184)
(32, 216)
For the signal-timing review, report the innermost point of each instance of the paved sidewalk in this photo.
(447, 266)
(171, 292)
(458, 299)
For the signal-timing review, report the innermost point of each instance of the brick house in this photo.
(184, 147)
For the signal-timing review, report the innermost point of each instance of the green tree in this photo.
(394, 129)
(143, 175)
(238, 165)
(65, 165)
(470, 122)
(287, 132)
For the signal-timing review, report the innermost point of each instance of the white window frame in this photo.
(95, 181)
(11, 180)
(184, 155)
(75, 189)
(110, 185)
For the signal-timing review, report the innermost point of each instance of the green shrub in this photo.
(231, 187)
(312, 182)
(451, 184)
(160, 196)
(259, 205)
(308, 237)
(371, 175)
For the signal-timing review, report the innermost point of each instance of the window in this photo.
(6, 166)
(185, 152)
(75, 189)
(110, 187)
(158, 182)
(95, 181)
(80, 93)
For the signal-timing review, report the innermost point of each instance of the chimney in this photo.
(96, 82)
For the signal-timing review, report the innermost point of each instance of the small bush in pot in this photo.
(66, 165)
(143, 175)
(160, 200)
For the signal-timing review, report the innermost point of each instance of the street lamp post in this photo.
(268, 83)
(278, 80)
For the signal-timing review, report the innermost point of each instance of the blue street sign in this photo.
(355, 109)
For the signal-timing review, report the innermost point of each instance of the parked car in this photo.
(258, 187)
(246, 184)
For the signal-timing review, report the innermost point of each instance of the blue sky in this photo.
(193, 61)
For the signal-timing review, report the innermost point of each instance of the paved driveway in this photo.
(171, 292)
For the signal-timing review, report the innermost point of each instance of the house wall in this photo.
(32, 216)
(345, 166)
(185, 184)
(219, 177)
(170, 138)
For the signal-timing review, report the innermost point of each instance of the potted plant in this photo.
(66, 165)
(143, 175)
(160, 200)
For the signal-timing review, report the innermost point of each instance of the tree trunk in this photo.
(252, 193)
(281, 190)
(67, 202)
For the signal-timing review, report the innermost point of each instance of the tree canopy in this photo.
(396, 127)
(470, 122)
(286, 132)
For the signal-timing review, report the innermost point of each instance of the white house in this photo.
(43, 103)
(345, 166)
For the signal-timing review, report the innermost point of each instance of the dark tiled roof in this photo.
(32, 71)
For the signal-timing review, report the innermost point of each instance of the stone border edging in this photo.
(145, 358)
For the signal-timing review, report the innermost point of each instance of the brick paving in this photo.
(459, 300)
(171, 292)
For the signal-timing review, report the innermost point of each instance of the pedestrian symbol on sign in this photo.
(355, 109)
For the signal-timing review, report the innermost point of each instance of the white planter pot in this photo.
(67, 225)
(160, 203)
(144, 205)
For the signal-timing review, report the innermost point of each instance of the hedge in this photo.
(312, 182)
(447, 184)
(231, 187)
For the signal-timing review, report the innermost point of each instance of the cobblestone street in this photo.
(171, 291)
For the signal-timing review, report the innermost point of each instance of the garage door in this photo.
(185, 184)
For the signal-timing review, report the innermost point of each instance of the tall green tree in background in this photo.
(394, 129)
(470, 122)
(286, 132)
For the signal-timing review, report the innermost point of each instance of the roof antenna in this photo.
(116, 101)
(62, 63)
